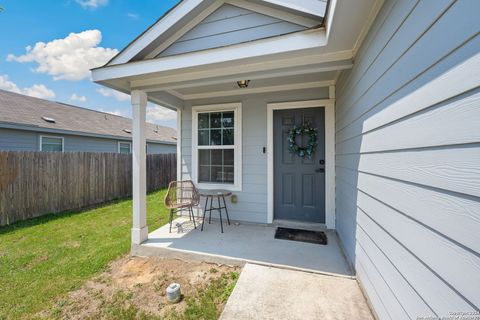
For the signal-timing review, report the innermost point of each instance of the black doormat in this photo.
(318, 237)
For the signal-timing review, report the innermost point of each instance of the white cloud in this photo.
(37, 90)
(70, 58)
(133, 15)
(158, 113)
(120, 96)
(75, 97)
(92, 4)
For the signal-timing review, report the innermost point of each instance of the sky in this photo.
(48, 47)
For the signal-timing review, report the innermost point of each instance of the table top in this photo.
(216, 192)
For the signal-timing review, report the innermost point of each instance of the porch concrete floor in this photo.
(244, 243)
(271, 293)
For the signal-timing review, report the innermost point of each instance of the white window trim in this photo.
(120, 142)
(237, 109)
(56, 137)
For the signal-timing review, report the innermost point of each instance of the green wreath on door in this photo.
(304, 130)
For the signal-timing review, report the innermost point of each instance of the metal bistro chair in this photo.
(182, 195)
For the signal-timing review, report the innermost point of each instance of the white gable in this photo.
(230, 25)
(195, 25)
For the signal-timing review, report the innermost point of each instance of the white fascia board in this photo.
(276, 13)
(313, 7)
(281, 44)
(182, 9)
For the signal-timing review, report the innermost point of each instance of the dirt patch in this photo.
(135, 288)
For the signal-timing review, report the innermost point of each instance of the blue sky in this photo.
(66, 38)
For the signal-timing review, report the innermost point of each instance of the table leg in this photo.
(226, 210)
(220, 212)
(204, 212)
(210, 210)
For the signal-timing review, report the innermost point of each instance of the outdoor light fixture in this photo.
(243, 83)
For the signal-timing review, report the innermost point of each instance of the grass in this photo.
(205, 304)
(44, 258)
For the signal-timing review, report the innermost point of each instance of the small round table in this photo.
(210, 194)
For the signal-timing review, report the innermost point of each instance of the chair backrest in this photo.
(181, 192)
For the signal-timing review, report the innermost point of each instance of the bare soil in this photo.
(133, 286)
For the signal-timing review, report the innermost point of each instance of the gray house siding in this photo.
(89, 144)
(252, 200)
(156, 148)
(22, 140)
(229, 25)
(17, 140)
(408, 159)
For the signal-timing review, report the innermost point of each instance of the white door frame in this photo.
(329, 105)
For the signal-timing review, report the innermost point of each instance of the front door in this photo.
(299, 184)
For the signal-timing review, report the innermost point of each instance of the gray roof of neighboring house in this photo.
(17, 109)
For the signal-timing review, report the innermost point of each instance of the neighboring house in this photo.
(32, 124)
(392, 88)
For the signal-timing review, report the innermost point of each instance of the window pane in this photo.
(52, 144)
(52, 147)
(215, 120)
(216, 166)
(216, 137)
(228, 159)
(204, 174)
(203, 137)
(217, 156)
(204, 157)
(228, 174)
(228, 139)
(217, 174)
(46, 140)
(203, 120)
(227, 119)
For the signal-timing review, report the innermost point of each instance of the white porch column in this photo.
(139, 170)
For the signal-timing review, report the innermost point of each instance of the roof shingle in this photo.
(20, 109)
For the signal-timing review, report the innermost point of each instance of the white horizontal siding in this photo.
(408, 159)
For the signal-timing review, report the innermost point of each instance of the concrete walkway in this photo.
(273, 293)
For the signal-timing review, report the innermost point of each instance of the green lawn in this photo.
(43, 258)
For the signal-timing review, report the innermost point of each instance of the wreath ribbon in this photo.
(302, 151)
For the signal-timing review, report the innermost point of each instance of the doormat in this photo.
(318, 237)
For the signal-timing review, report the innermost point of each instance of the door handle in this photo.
(321, 170)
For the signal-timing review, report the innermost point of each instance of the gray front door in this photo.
(299, 184)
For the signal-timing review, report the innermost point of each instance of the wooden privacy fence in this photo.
(37, 183)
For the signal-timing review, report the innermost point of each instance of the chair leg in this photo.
(204, 213)
(171, 219)
(226, 210)
(190, 209)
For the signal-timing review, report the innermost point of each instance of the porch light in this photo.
(243, 83)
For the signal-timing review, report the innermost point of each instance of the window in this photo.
(216, 146)
(124, 147)
(51, 143)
